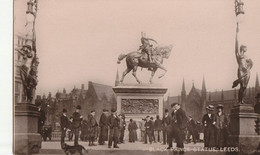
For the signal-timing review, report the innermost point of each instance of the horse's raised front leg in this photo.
(163, 68)
(134, 74)
(124, 74)
(152, 75)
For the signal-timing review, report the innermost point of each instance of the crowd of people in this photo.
(110, 128)
(174, 127)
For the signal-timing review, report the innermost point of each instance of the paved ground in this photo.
(53, 147)
(125, 146)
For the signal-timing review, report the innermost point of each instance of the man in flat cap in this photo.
(221, 127)
(76, 123)
(209, 122)
(113, 123)
(103, 124)
(64, 123)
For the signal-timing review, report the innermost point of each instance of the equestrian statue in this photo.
(149, 57)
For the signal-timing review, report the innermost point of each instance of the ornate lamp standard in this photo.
(242, 116)
(27, 139)
(239, 10)
(244, 63)
(239, 7)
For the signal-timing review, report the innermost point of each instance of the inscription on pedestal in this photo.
(140, 106)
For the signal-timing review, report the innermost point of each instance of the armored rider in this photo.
(146, 46)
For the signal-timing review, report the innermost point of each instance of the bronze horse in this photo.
(135, 59)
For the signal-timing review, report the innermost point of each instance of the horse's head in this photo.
(165, 51)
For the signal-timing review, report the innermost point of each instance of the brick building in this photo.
(96, 97)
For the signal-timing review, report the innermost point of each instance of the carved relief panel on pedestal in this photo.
(140, 106)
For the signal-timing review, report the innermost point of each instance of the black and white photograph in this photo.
(124, 77)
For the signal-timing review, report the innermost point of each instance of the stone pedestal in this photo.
(139, 101)
(242, 129)
(26, 138)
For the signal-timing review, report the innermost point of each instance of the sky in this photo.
(79, 41)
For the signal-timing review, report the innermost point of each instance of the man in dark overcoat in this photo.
(113, 123)
(153, 135)
(92, 124)
(76, 123)
(41, 119)
(158, 126)
(132, 126)
(166, 126)
(148, 130)
(180, 123)
(64, 123)
(103, 124)
(209, 122)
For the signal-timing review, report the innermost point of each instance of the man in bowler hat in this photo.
(64, 123)
(166, 126)
(148, 130)
(180, 123)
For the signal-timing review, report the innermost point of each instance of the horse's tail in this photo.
(121, 57)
